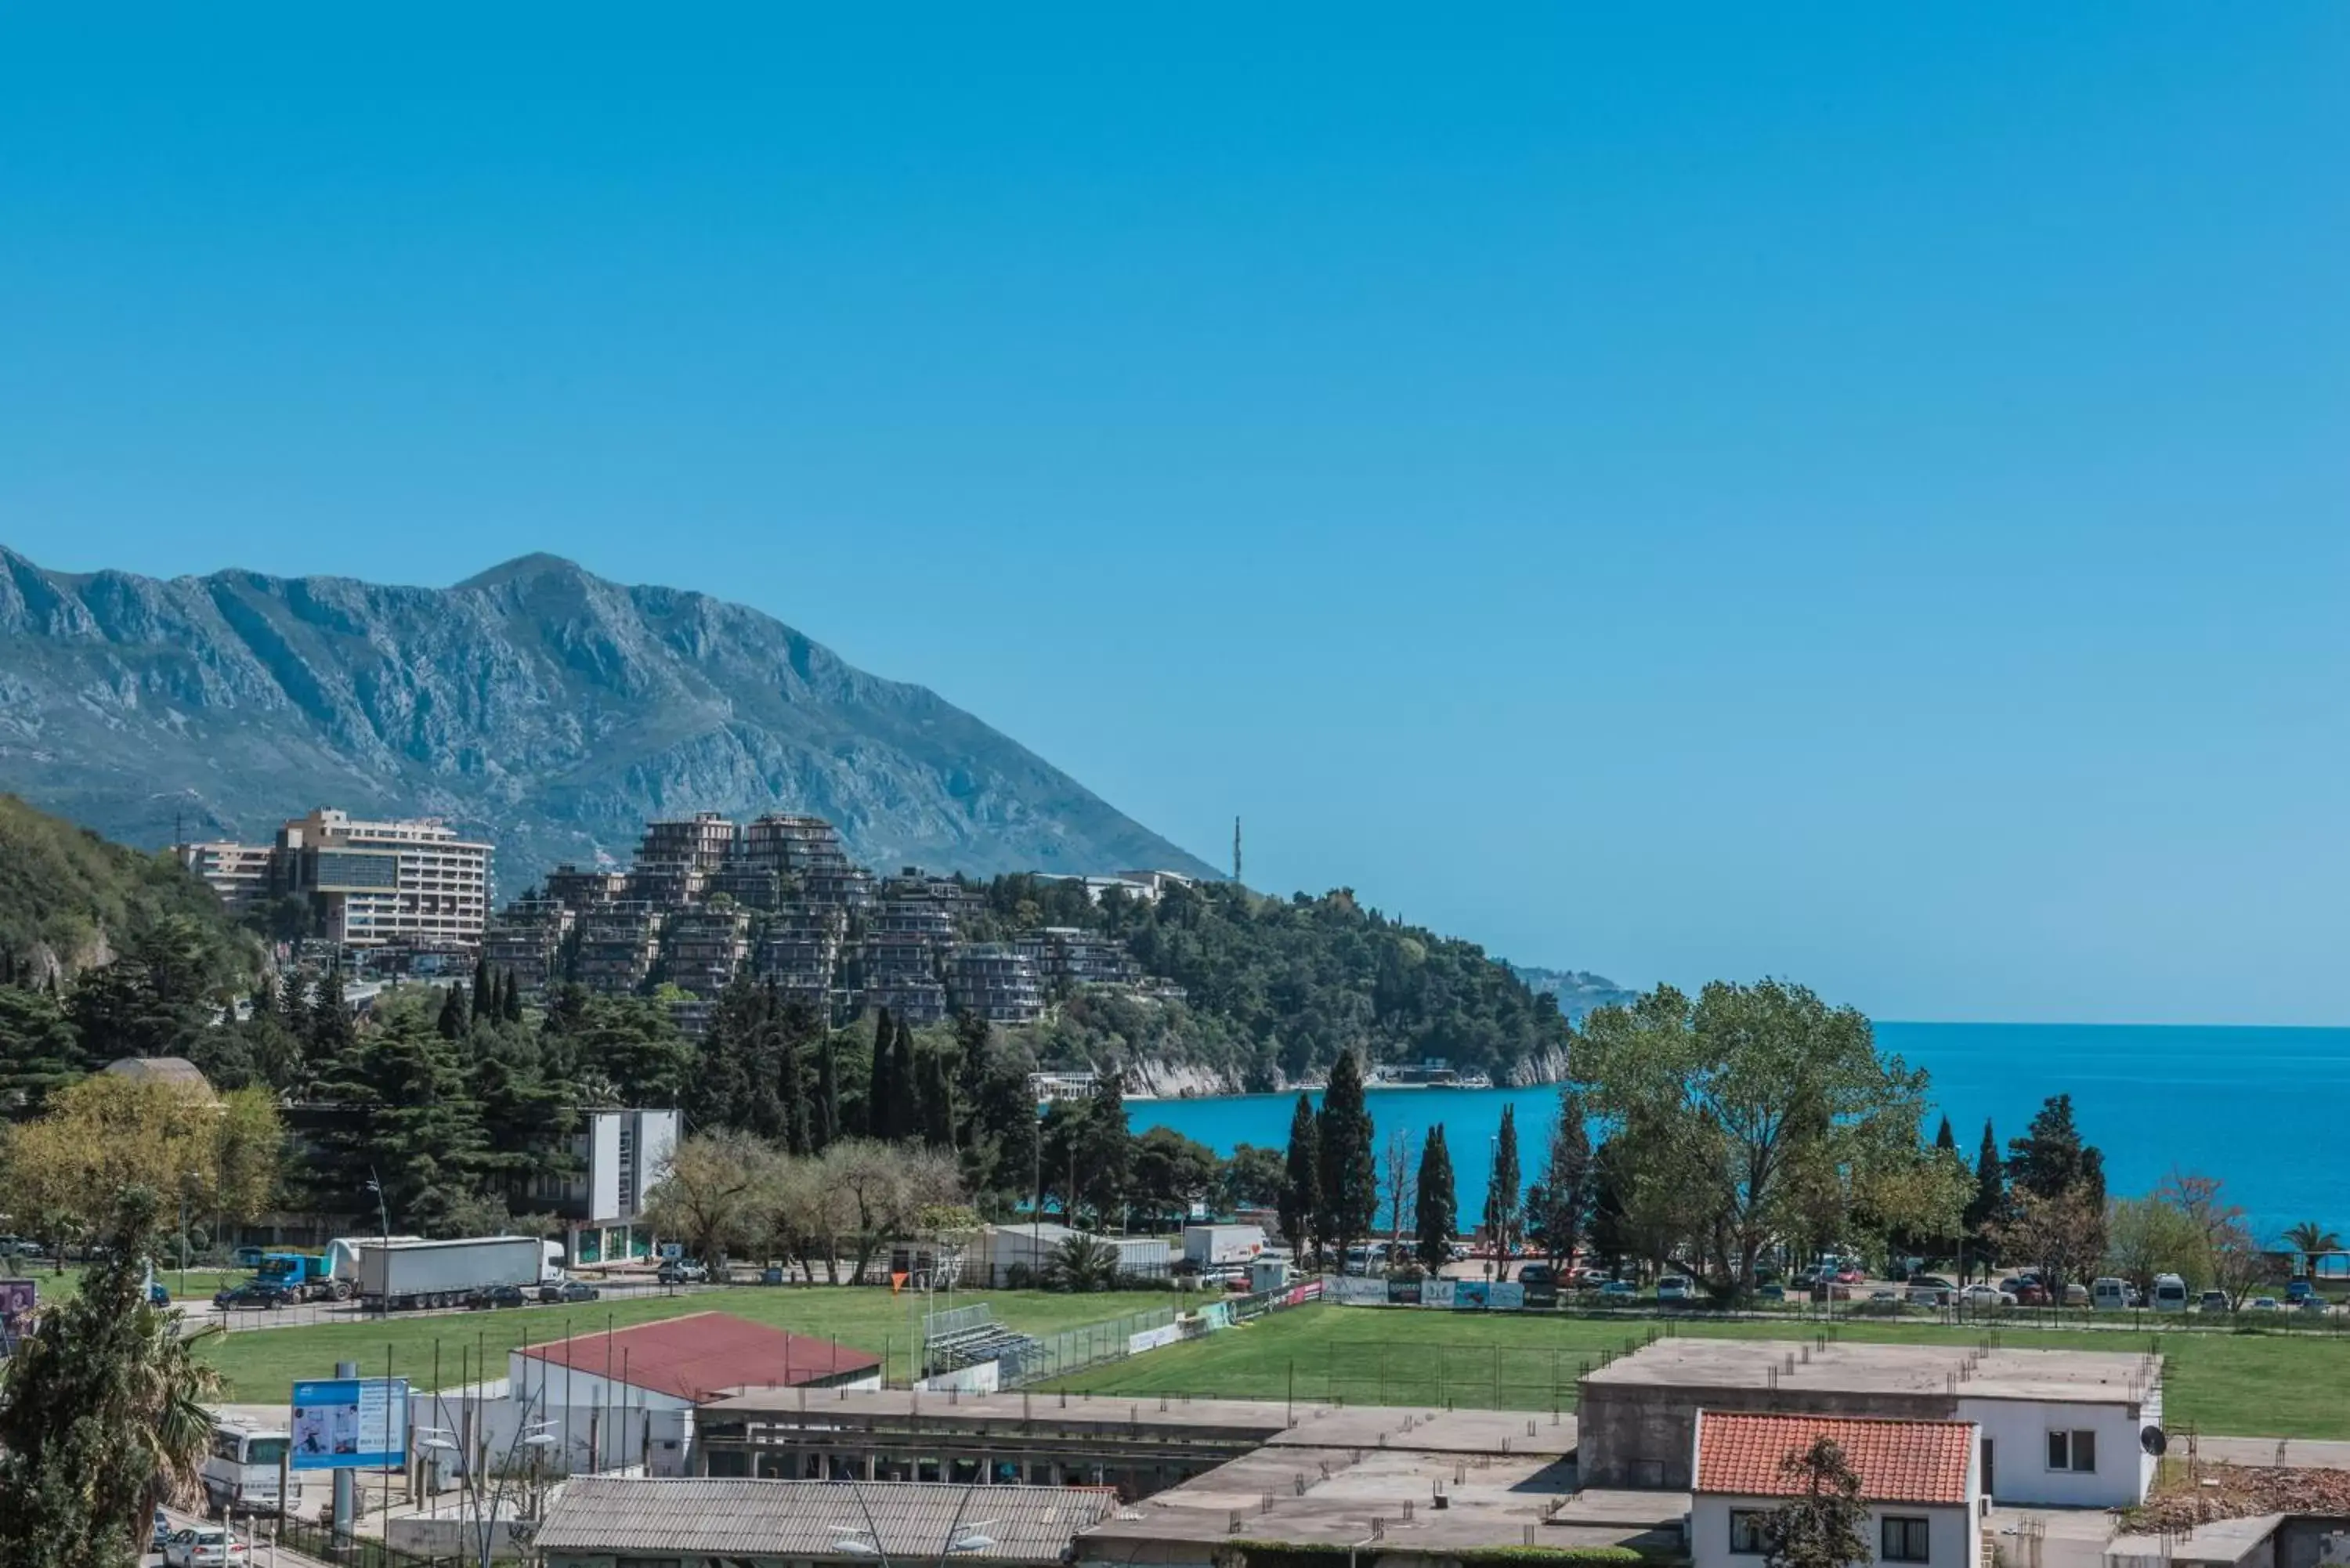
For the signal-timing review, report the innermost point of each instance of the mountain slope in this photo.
(537, 703)
(70, 901)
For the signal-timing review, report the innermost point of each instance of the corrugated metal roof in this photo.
(811, 1519)
(701, 1354)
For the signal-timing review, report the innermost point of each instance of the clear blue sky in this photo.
(1682, 491)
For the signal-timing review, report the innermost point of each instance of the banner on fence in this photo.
(1403, 1292)
(1506, 1295)
(1353, 1289)
(1152, 1338)
(1437, 1293)
(1470, 1295)
(1311, 1290)
(985, 1377)
(1215, 1315)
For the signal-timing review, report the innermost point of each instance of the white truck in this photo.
(1221, 1246)
(399, 1276)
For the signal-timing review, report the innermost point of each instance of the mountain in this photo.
(538, 705)
(1578, 991)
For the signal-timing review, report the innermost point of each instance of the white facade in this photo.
(2023, 1461)
(1003, 1247)
(239, 873)
(624, 1153)
(382, 881)
(1953, 1535)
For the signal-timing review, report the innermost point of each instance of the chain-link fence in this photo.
(1073, 1350)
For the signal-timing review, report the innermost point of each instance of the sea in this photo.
(2260, 1109)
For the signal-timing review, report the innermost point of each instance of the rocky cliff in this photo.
(538, 705)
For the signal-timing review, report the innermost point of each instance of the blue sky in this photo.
(1855, 494)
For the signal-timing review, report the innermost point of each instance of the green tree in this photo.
(455, 1021)
(1438, 1213)
(937, 1101)
(102, 1413)
(39, 1053)
(1172, 1173)
(905, 1084)
(1559, 1208)
(404, 1116)
(1504, 1192)
(1737, 1083)
(2145, 1237)
(2051, 1159)
(1987, 1209)
(883, 1092)
(1082, 1263)
(1350, 1173)
(1301, 1187)
(1823, 1525)
(1250, 1179)
(824, 1114)
(712, 1192)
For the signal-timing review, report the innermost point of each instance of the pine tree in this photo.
(1945, 1139)
(1504, 1194)
(880, 1092)
(510, 1008)
(481, 980)
(794, 1024)
(1558, 1210)
(1350, 1174)
(39, 1053)
(1439, 1208)
(2051, 1161)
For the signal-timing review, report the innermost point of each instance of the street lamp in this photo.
(486, 1505)
(383, 1218)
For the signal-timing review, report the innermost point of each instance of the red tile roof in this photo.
(703, 1354)
(1897, 1462)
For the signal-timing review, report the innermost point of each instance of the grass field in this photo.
(261, 1365)
(2250, 1385)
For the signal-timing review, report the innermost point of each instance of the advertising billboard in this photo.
(350, 1423)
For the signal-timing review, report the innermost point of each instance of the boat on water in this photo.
(1435, 1073)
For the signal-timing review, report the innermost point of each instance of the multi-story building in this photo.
(663, 884)
(801, 954)
(527, 941)
(377, 882)
(574, 888)
(997, 981)
(704, 841)
(616, 1159)
(239, 873)
(791, 843)
(706, 947)
(1068, 956)
(618, 947)
(760, 887)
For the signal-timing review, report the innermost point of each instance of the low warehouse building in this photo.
(2058, 1427)
(616, 1521)
(1920, 1481)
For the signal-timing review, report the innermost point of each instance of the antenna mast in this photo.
(1236, 850)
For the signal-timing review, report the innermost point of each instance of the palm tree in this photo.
(2311, 1239)
(1082, 1263)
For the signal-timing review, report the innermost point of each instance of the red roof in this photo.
(704, 1353)
(1897, 1462)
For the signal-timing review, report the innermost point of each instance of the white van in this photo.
(2170, 1294)
(2108, 1294)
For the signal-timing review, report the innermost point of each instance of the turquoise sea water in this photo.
(2262, 1109)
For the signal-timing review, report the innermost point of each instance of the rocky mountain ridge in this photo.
(538, 705)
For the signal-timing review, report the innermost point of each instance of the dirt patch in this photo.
(2181, 1500)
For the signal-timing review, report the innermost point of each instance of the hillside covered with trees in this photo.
(1277, 989)
(71, 900)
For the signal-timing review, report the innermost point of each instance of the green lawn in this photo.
(2279, 1385)
(261, 1365)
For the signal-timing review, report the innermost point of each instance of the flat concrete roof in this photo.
(1693, 1364)
(1273, 1422)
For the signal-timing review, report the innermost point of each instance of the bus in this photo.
(241, 1473)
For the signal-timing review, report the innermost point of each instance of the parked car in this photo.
(496, 1296)
(1931, 1290)
(682, 1271)
(2318, 1304)
(2213, 1301)
(1885, 1294)
(163, 1531)
(1986, 1296)
(204, 1546)
(2262, 1303)
(2077, 1294)
(252, 1293)
(1848, 1275)
(568, 1291)
(1538, 1277)
(2025, 1289)
(1588, 1279)
(1620, 1289)
(1772, 1293)
(1676, 1288)
(2299, 1291)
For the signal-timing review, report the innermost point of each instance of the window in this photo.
(1750, 1531)
(1902, 1540)
(2074, 1450)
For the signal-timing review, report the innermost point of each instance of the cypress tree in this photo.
(1988, 1207)
(904, 1115)
(1945, 1139)
(880, 1092)
(791, 1027)
(1504, 1191)
(938, 1101)
(1350, 1174)
(1439, 1208)
(482, 980)
(511, 1008)
(1301, 1186)
(824, 1115)
(453, 1021)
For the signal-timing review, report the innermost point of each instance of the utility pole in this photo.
(1236, 851)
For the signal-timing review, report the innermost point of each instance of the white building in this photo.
(1922, 1481)
(239, 873)
(621, 1156)
(376, 882)
(1003, 1248)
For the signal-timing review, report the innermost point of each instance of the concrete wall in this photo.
(1953, 1532)
(2313, 1541)
(2018, 1432)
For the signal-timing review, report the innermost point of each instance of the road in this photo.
(197, 1316)
(264, 1553)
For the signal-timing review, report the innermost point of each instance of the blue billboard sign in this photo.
(350, 1423)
